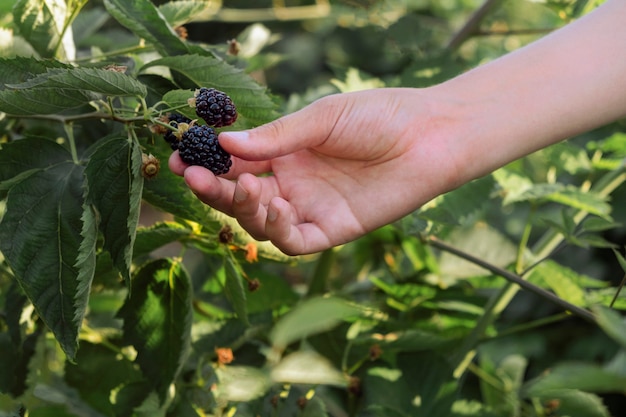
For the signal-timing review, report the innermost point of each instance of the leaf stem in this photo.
(69, 131)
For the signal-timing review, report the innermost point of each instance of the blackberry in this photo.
(199, 146)
(173, 119)
(215, 107)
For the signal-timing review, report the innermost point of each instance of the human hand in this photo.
(341, 167)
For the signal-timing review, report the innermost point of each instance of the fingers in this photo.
(214, 191)
(291, 237)
(306, 128)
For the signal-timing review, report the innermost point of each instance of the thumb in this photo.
(306, 128)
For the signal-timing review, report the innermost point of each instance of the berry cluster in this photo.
(215, 107)
(174, 119)
(198, 144)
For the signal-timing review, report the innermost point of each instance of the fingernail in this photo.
(238, 136)
(272, 213)
(240, 194)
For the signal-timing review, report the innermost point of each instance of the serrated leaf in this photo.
(146, 21)
(251, 99)
(46, 101)
(582, 376)
(110, 83)
(158, 235)
(234, 291)
(560, 279)
(157, 321)
(582, 200)
(19, 69)
(457, 207)
(43, 24)
(114, 187)
(40, 237)
(312, 316)
(183, 11)
(576, 403)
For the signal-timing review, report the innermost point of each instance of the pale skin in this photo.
(350, 163)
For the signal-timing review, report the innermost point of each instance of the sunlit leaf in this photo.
(146, 21)
(307, 367)
(241, 383)
(43, 24)
(560, 279)
(312, 316)
(182, 11)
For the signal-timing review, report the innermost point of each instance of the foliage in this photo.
(125, 296)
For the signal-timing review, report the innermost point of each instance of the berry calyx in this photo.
(174, 119)
(214, 107)
(199, 145)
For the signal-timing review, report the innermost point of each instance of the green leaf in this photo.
(19, 69)
(43, 24)
(158, 235)
(459, 206)
(45, 101)
(575, 403)
(253, 104)
(110, 83)
(312, 316)
(307, 367)
(612, 323)
(582, 200)
(146, 21)
(169, 193)
(40, 237)
(183, 11)
(241, 383)
(27, 154)
(114, 187)
(234, 291)
(581, 376)
(562, 280)
(157, 321)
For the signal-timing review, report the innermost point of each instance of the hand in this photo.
(339, 168)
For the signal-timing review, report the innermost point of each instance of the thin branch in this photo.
(516, 279)
(471, 26)
(513, 32)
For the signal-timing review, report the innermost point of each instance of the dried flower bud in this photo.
(150, 166)
(224, 355)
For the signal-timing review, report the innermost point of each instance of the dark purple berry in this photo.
(215, 107)
(173, 119)
(199, 146)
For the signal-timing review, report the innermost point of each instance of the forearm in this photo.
(569, 82)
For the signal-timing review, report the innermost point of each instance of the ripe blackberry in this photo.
(173, 119)
(199, 146)
(215, 107)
